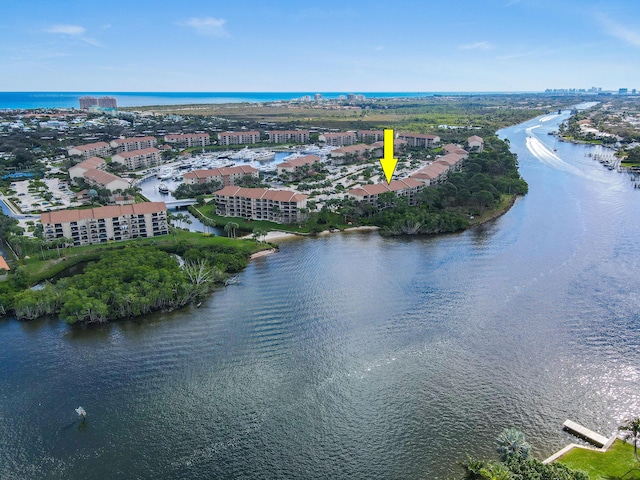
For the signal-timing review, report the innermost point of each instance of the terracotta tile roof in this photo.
(91, 146)
(100, 176)
(65, 216)
(300, 161)
(378, 188)
(262, 193)
(475, 138)
(90, 163)
(3, 264)
(136, 153)
(221, 172)
(120, 141)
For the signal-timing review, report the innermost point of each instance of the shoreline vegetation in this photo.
(189, 265)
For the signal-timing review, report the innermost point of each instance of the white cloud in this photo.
(619, 31)
(67, 29)
(212, 27)
(476, 46)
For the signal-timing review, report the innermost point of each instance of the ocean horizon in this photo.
(36, 100)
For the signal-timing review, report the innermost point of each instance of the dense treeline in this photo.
(125, 283)
(481, 184)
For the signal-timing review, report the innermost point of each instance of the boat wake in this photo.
(546, 156)
(548, 117)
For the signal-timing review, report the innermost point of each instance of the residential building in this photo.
(406, 187)
(317, 97)
(107, 102)
(131, 144)
(370, 136)
(147, 157)
(284, 136)
(4, 266)
(475, 141)
(453, 148)
(280, 206)
(97, 149)
(225, 175)
(188, 140)
(86, 102)
(99, 225)
(433, 174)
(77, 171)
(238, 138)
(101, 179)
(293, 165)
(355, 152)
(419, 139)
(339, 139)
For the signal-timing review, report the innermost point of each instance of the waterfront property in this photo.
(293, 165)
(238, 138)
(147, 157)
(339, 139)
(280, 206)
(474, 141)
(93, 163)
(99, 225)
(453, 148)
(421, 140)
(433, 174)
(130, 144)
(225, 175)
(407, 187)
(188, 140)
(284, 136)
(105, 180)
(97, 149)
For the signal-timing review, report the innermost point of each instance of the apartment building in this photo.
(453, 148)
(295, 164)
(238, 138)
(225, 175)
(102, 224)
(339, 139)
(420, 140)
(101, 179)
(406, 187)
(130, 144)
(370, 136)
(284, 136)
(93, 163)
(147, 157)
(97, 149)
(477, 142)
(280, 206)
(188, 140)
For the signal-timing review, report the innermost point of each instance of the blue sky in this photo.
(193, 45)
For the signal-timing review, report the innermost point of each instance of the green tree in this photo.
(512, 442)
(632, 431)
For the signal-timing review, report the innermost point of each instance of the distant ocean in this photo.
(30, 100)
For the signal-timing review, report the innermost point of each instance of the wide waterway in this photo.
(353, 355)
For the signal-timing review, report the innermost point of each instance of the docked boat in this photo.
(163, 188)
(264, 156)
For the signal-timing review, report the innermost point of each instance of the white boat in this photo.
(163, 188)
(264, 156)
(165, 174)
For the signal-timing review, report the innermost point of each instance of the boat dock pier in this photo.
(584, 433)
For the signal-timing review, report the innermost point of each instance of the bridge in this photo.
(180, 203)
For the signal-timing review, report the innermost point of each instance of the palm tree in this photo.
(632, 429)
(511, 442)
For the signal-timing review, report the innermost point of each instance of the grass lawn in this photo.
(610, 465)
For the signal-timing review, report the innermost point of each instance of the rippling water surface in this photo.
(356, 356)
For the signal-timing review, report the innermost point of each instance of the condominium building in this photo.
(406, 187)
(433, 174)
(99, 225)
(188, 140)
(284, 136)
(370, 136)
(101, 179)
(147, 157)
(102, 102)
(295, 164)
(477, 142)
(86, 102)
(419, 139)
(131, 144)
(97, 149)
(280, 206)
(238, 138)
(225, 175)
(453, 148)
(339, 139)
(93, 163)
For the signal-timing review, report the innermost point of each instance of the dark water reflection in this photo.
(355, 356)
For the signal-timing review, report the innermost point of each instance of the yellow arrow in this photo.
(388, 162)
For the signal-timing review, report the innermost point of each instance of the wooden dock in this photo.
(584, 433)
